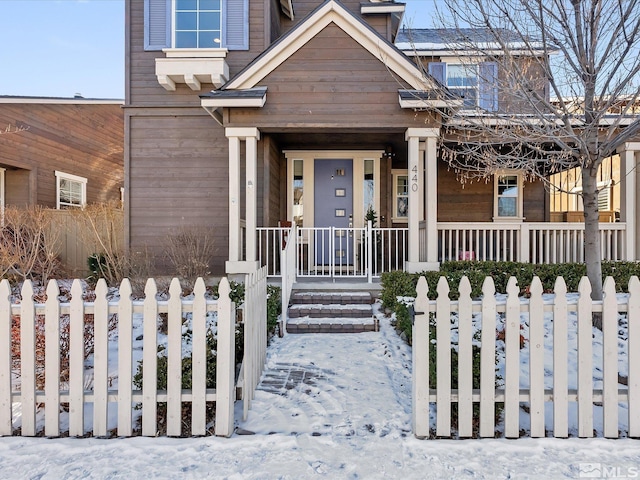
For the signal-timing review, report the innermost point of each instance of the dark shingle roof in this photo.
(452, 35)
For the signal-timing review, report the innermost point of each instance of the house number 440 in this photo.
(414, 178)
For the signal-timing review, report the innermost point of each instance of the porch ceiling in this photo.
(368, 140)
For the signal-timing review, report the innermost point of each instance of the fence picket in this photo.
(125, 360)
(512, 361)
(28, 360)
(174, 360)
(420, 361)
(199, 359)
(610, 359)
(150, 360)
(225, 372)
(76, 361)
(585, 360)
(101, 360)
(465, 359)
(52, 361)
(488, 359)
(536, 359)
(6, 403)
(560, 361)
(633, 352)
(443, 362)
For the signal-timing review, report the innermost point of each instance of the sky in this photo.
(59, 48)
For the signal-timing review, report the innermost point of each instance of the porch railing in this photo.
(368, 252)
(525, 242)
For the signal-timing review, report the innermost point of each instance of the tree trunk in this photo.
(592, 254)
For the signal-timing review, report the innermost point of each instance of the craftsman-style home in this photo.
(311, 123)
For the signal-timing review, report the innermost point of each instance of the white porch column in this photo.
(629, 198)
(421, 195)
(236, 264)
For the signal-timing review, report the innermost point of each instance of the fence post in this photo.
(225, 372)
(5, 359)
(52, 361)
(488, 360)
(633, 319)
(420, 354)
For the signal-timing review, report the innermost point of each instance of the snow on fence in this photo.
(21, 390)
(557, 389)
(288, 275)
(255, 335)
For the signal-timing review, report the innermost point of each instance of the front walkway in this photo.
(339, 385)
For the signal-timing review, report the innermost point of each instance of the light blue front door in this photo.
(333, 207)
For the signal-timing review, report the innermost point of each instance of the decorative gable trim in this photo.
(330, 12)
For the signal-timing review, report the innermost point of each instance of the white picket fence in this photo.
(18, 385)
(535, 394)
(255, 334)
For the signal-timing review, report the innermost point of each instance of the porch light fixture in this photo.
(388, 152)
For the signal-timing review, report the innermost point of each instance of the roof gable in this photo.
(330, 12)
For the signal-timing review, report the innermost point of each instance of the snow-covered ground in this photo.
(334, 406)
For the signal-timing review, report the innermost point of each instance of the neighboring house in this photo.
(243, 115)
(60, 152)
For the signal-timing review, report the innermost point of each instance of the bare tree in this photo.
(567, 80)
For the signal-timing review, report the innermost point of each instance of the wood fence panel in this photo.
(28, 360)
(512, 362)
(174, 360)
(125, 359)
(465, 359)
(76, 361)
(488, 360)
(633, 352)
(610, 359)
(560, 361)
(6, 402)
(101, 360)
(420, 361)
(52, 361)
(536, 359)
(199, 360)
(150, 360)
(443, 362)
(585, 360)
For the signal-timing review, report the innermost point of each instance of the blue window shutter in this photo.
(488, 80)
(438, 71)
(157, 24)
(236, 24)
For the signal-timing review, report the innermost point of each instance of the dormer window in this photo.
(475, 83)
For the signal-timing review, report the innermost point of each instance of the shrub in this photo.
(29, 244)
(190, 251)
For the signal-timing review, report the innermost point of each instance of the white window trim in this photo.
(73, 178)
(520, 215)
(395, 173)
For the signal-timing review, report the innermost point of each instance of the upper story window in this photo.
(476, 83)
(196, 24)
(71, 191)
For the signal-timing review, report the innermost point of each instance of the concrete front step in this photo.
(329, 298)
(298, 328)
(332, 310)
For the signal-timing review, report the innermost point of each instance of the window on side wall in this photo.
(475, 83)
(198, 24)
(400, 212)
(508, 203)
(71, 191)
